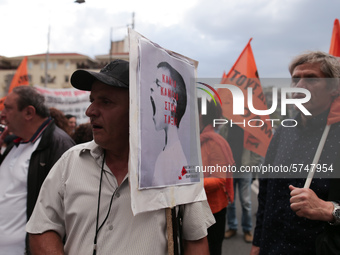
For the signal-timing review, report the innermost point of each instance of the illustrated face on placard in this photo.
(162, 99)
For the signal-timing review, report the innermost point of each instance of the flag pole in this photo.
(169, 228)
(47, 55)
(333, 116)
(317, 156)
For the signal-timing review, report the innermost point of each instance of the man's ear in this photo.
(336, 92)
(173, 106)
(29, 112)
(174, 101)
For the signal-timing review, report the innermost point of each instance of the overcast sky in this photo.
(213, 32)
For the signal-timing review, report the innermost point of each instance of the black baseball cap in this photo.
(116, 74)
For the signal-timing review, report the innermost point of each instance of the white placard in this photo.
(164, 136)
(69, 101)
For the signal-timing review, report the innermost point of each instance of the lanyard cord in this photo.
(108, 212)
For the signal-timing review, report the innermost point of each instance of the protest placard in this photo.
(69, 101)
(164, 136)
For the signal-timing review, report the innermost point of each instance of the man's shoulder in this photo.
(54, 142)
(85, 148)
(56, 134)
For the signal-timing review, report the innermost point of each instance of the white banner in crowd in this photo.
(164, 142)
(69, 101)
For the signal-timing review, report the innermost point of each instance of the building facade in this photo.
(58, 71)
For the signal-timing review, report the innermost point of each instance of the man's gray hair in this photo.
(30, 96)
(329, 65)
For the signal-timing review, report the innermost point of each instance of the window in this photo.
(67, 65)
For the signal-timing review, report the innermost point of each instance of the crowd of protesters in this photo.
(64, 186)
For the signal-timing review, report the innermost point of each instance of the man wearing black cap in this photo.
(86, 201)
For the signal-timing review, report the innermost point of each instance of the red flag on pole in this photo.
(244, 75)
(335, 41)
(334, 50)
(20, 78)
(333, 115)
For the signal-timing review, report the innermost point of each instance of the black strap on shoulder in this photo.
(177, 220)
(175, 230)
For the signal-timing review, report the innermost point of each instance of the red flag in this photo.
(335, 41)
(20, 78)
(334, 50)
(244, 75)
(334, 113)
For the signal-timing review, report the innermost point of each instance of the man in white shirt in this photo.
(25, 163)
(86, 201)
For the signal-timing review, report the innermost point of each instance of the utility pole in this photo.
(110, 49)
(133, 21)
(47, 55)
(132, 24)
